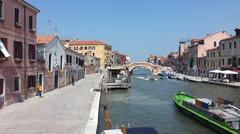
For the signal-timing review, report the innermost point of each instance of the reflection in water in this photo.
(149, 104)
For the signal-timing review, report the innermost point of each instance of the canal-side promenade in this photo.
(205, 80)
(63, 111)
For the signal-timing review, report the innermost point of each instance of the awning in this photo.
(229, 72)
(236, 70)
(4, 50)
(215, 71)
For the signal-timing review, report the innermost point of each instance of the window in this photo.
(81, 63)
(222, 61)
(61, 65)
(70, 59)
(75, 48)
(215, 43)
(30, 23)
(31, 81)
(3, 52)
(85, 54)
(16, 83)
(81, 48)
(93, 54)
(213, 54)
(219, 54)
(67, 57)
(85, 48)
(17, 16)
(229, 61)
(49, 62)
(230, 45)
(238, 61)
(235, 44)
(1, 86)
(76, 60)
(31, 52)
(18, 48)
(223, 46)
(208, 54)
(1, 10)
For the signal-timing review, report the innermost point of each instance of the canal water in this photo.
(149, 104)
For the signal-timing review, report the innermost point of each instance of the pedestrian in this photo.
(39, 91)
(72, 80)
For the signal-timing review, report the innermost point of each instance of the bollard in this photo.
(123, 129)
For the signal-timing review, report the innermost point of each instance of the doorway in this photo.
(56, 79)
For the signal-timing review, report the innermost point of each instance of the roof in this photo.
(45, 39)
(29, 5)
(80, 42)
(196, 40)
(213, 49)
(231, 38)
(72, 51)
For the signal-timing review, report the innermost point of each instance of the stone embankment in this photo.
(205, 80)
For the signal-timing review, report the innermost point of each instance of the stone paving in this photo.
(62, 111)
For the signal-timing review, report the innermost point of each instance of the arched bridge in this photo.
(155, 69)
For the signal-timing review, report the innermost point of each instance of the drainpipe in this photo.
(25, 55)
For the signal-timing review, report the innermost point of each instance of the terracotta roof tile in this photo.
(45, 39)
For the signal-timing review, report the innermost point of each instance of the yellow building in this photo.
(93, 48)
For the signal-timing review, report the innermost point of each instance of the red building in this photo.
(18, 66)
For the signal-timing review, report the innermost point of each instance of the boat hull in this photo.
(201, 120)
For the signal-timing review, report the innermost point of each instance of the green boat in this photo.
(221, 115)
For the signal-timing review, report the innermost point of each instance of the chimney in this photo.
(237, 30)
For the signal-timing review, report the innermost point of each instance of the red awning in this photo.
(236, 70)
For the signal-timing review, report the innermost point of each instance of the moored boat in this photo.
(139, 130)
(220, 115)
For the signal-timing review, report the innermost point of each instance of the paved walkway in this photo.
(62, 111)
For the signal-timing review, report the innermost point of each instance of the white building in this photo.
(57, 64)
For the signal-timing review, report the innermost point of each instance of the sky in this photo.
(137, 28)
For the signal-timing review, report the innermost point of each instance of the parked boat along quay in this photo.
(149, 104)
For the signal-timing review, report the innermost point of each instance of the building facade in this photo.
(57, 64)
(183, 47)
(18, 66)
(230, 52)
(213, 59)
(118, 58)
(92, 64)
(95, 48)
(198, 50)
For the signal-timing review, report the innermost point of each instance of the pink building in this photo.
(198, 52)
(18, 66)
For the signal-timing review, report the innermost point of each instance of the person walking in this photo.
(39, 91)
(72, 80)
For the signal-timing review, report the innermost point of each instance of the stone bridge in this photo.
(155, 69)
